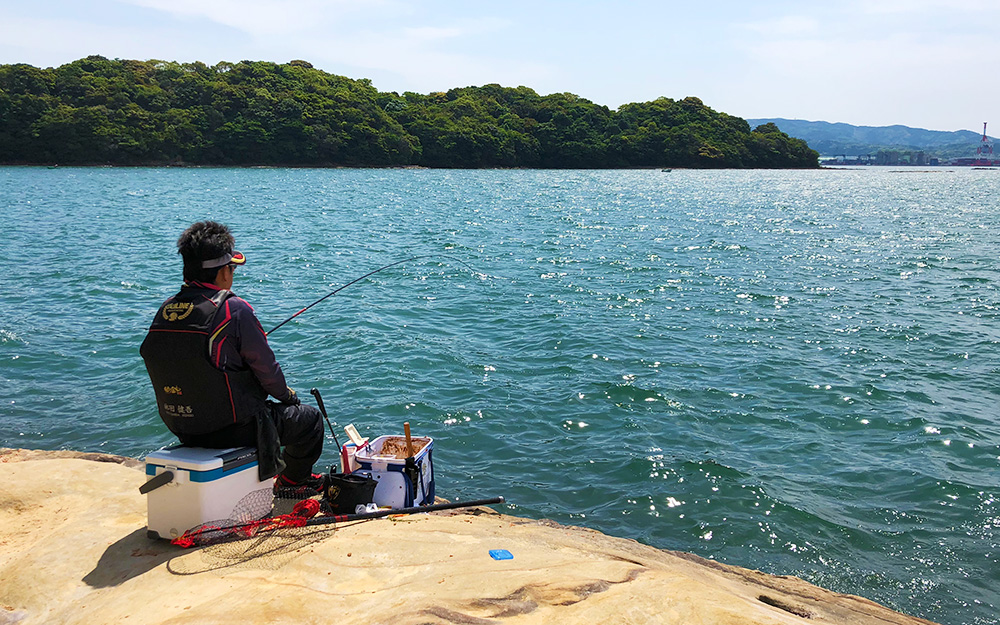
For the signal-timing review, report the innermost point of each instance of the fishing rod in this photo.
(356, 280)
(342, 518)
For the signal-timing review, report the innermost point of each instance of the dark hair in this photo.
(203, 241)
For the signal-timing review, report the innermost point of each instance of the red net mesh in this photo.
(258, 512)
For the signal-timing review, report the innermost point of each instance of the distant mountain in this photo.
(831, 139)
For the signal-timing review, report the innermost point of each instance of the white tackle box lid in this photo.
(202, 459)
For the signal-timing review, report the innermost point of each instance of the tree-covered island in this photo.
(124, 112)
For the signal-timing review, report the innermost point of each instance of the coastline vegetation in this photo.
(97, 111)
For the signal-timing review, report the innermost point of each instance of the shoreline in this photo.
(84, 557)
(653, 168)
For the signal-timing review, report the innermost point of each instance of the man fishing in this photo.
(212, 368)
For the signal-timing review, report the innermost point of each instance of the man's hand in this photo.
(293, 398)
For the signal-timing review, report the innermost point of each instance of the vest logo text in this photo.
(175, 311)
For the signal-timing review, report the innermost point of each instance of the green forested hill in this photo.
(124, 112)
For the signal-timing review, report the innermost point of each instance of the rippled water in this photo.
(789, 371)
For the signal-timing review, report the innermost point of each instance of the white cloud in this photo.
(430, 33)
(398, 54)
(457, 29)
(66, 40)
(266, 17)
(414, 61)
(788, 26)
(926, 6)
(417, 51)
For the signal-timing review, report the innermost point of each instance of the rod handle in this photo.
(319, 401)
(409, 441)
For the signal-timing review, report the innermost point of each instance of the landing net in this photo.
(261, 512)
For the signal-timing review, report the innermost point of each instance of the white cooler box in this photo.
(207, 485)
(385, 460)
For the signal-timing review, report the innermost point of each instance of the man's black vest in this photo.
(193, 396)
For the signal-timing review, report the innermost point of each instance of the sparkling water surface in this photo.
(790, 371)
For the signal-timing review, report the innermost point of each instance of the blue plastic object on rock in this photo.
(501, 554)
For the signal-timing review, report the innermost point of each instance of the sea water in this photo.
(790, 371)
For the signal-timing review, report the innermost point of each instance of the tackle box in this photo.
(384, 459)
(207, 485)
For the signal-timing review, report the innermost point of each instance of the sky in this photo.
(921, 63)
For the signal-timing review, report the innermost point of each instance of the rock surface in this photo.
(73, 549)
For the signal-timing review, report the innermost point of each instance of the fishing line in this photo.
(371, 273)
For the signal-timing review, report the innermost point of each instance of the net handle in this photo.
(343, 518)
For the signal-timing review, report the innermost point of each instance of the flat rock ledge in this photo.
(73, 549)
